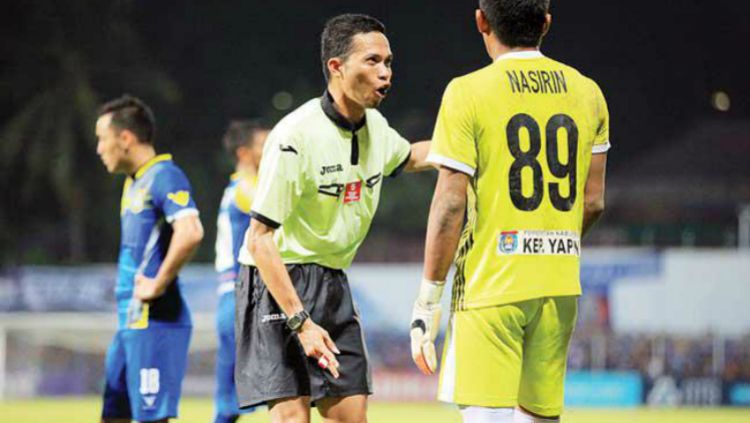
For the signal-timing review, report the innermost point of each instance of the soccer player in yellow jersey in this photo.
(522, 147)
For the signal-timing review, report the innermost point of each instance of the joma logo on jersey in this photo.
(324, 170)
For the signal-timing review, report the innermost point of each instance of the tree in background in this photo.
(59, 57)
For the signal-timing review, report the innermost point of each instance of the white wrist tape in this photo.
(430, 292)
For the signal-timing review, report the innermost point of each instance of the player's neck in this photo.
(498, 49)
(246, 169)
(349, 109)
(140, 155)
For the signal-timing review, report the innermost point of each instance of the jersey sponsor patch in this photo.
(353, 192)
(548, 243)
(181, 198)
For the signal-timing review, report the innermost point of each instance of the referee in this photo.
(299, 336)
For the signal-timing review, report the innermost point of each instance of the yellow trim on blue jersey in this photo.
(153, 161)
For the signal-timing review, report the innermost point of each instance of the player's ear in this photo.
(335, 65)
(126, 139)
(483, 25)
(547, 24)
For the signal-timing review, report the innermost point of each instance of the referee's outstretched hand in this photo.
(319, 346)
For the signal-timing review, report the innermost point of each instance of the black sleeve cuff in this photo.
(397, 171)
(264, 220)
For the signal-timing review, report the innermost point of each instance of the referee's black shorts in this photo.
(271, 363)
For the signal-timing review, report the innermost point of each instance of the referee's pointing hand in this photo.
(318, 345)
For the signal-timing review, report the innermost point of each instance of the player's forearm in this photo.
(418, 159)
(593, 204)
(444, 224)
(591, 214)
(273, 272)
(187, 235)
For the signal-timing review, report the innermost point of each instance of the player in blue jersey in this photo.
(244, 142)
(160, 229)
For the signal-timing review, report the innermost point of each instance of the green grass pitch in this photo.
(198, 410)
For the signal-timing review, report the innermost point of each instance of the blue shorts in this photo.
(226, 393)
(144, 369)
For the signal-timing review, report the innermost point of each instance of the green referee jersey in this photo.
(319, 182)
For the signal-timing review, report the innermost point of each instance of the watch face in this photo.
(296, 321)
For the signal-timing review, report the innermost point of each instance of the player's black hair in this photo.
(336, 40)
(133, 114)
(241, 133)
(517, 23)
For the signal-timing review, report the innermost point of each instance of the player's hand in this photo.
(319, 345)
(425, 324)
(147, 289)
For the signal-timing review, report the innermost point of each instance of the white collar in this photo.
(525, 54)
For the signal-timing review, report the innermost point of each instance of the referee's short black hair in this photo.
(517, 23)
(133, 114)
(241, 133)
(336, 40)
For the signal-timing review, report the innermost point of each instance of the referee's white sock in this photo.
(520, 416)
(473, 414)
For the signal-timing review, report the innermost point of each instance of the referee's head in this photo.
(356, 58)
(514, 23)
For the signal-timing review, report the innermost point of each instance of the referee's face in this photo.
(366, 73)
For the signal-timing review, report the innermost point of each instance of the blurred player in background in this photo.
(522, 143)
(244, 142)
(160, 228)
(299, 337)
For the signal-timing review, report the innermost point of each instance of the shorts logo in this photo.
(508, 242)
(267, 318)
(353, 192)
(149, 401)
(181, 198)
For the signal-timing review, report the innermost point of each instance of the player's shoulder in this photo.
(167, 171)
(575, 74)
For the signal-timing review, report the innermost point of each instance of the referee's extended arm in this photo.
(315, 340)
(418, 157)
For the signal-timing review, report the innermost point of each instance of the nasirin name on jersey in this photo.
(565, 243)
(537, 81)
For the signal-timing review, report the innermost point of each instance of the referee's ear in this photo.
(335, 65)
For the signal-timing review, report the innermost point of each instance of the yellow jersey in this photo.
(524, 128)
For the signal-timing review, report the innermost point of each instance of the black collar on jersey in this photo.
(326, 102)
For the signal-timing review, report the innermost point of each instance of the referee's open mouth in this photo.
(383, 91)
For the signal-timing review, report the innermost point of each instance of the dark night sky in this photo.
(657, 61)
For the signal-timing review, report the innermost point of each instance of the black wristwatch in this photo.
(295, 322)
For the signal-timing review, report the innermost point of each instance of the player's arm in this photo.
(279, 189)
(593, 204)
(453, 148)
(417, 161)
(443, 233)
(315, 340)
(187, 233)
